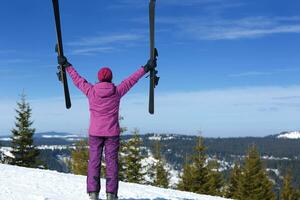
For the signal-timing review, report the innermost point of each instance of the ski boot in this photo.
(111, 196)
(94, 195)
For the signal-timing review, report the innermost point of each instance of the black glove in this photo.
(62, 60)
(151, 64)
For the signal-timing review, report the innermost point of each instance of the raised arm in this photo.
(78, 81)
(127, 84)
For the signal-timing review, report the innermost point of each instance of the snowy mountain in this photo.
(289, 135)
(61, 135)
(18, 183)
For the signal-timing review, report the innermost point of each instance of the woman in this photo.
(104, 130)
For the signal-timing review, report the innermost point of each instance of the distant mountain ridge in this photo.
(66, 135)
(53, 134)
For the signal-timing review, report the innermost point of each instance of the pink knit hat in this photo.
(105, 74)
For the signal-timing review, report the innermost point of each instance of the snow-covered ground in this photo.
(18, 183)
(6, 151)
(290, 135)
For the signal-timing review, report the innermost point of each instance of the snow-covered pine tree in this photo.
(233, 190)
(161, 176)
(79, 158)
(23, 149)
(132, 159)
(255, 182)
(288, 192)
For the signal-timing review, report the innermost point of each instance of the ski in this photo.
(59, 49)
(153, 54)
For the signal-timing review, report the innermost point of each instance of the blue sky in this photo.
(227, 67)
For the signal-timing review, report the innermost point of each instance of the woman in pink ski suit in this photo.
(104, 130)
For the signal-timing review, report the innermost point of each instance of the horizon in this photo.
(159, 134)
(228, 68)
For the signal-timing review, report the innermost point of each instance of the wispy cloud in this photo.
(140, 4)
(287, 97)
(16, 61)
(251, 73)
(211, 28)
(190, 2)
(278, 71)
(13, 74)
(106, 39)
(207, 7)
(17, 68)
(92, 50)
(104, 43)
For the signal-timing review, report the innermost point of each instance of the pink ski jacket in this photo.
(104, 101)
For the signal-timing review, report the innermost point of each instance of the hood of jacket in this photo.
(105, 89)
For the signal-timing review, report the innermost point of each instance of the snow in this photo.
(290, 135)
(274, 158)
(19, 183)
(74, 139)
(174, 176)
(6, 151)
(59, 136)
(54, 147)
(155, 137)
(161, 137)
(276, 171)
(149, 160)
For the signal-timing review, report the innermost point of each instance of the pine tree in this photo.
(1, 155)
(287, 191)
(79, 158)
(186, 178)
(233, 190)
(122, 154)
(255, 183)
(122, 169)
(132, 159)
(160, 175)
(297, 194)
(200, 177)
(215, 182)
(23, 149)
(199, 169)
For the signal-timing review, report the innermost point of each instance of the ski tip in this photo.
(68, 106)
(151, 112)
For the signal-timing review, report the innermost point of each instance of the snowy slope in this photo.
(290, 135)
(18, 183)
